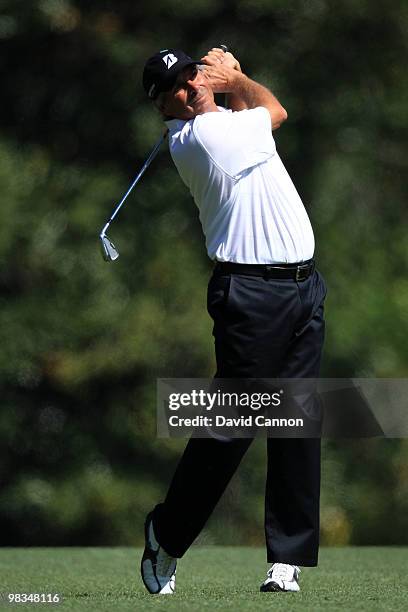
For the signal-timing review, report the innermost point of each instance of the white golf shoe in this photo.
(281, 577)
(158, 569)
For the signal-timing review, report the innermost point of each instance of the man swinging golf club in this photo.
(265, 297)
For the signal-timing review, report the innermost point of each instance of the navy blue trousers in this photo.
(262, 328)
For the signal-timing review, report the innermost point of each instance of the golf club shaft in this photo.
(142, 170)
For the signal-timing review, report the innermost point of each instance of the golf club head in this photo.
(109, 252)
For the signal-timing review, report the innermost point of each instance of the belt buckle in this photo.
(302, 272)
(267, 273)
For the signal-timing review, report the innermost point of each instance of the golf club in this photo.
(109, 251)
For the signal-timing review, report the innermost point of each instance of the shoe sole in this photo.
(146, 555)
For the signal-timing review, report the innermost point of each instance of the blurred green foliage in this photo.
(82, 342)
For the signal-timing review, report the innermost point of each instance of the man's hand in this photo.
(220, 76)
(217, 68)
(217, 56)
(220, 79)
(225, 76)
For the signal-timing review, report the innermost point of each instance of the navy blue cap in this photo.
(161, 70)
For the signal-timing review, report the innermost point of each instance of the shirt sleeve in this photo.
(236, 140)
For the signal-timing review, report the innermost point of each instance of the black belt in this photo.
(297, 271)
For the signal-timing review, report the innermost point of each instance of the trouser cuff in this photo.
(301, 561)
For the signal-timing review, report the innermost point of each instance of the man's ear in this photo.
(159, 104)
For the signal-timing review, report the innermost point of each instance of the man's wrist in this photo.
(238, 83)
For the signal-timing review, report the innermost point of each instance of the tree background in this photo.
(82, 342)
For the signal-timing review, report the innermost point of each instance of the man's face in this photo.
(191, 95)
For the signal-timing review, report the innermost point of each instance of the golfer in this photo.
(265, 297)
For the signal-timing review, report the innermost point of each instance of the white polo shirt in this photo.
(249, 208)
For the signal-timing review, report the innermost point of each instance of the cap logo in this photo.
(169, 60)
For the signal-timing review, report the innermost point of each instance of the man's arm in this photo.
(253, 94)
(225, 76)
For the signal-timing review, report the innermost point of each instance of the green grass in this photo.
(215, 578)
